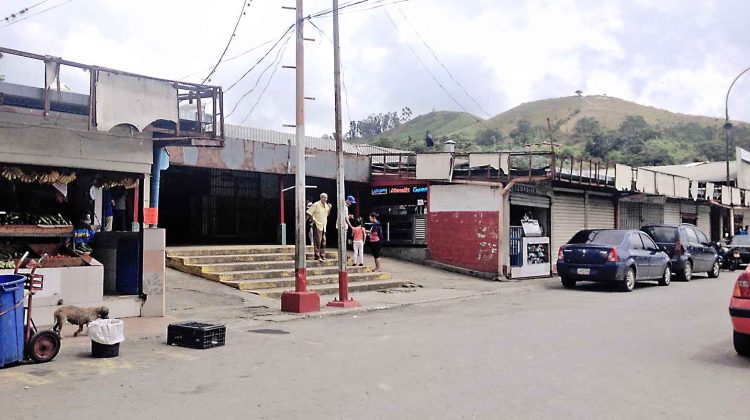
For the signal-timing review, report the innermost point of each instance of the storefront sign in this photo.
(399, 190)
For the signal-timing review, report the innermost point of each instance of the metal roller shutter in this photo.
(630, 215)
(704, 220)
(651, 214)
(529, 200)
(567, 219)
(672, 214)
(601, 213)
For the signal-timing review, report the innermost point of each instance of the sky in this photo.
(479, 56)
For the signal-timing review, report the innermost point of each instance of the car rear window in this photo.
(598, 237)
(662, 233)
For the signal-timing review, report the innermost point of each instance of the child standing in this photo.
(358, 241)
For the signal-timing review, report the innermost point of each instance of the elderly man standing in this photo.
(319, 212)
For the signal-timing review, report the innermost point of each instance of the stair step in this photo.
(271, 274)
(332, 289)
(287, 283)
(235, 258)
(261, 265)
(232, 250)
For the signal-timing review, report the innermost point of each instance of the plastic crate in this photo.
(196, 335)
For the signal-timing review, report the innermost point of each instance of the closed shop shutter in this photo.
(672, 214)
(529, 200)
(567, 219)
(704, 220)
(630, 215)
(601, 213)
(635, 215)
(651, 214)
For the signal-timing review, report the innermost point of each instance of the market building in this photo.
(77, 172)
(507, 214)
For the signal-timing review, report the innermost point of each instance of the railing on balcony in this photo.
(205, 104)
(397, 165)
(584, 171)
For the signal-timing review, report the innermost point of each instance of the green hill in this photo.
(440, 123)
(565, 112)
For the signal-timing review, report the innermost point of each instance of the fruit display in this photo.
(51, 177)
(24, 218)
(8, 259)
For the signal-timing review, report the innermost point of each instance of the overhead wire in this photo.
(434, 55)
(37, 13)
(273, 47)
(343, 76)
(248, 51)
(24, 10)
(245, 3)
(268, 83)
(279, 54)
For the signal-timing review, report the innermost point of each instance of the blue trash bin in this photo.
(11, 318)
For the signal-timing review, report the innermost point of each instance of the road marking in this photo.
(24, 378)
(106, 366)
(175, 355)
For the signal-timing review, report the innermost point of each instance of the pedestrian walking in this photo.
(109, 205)
(376, 239)
(319, 213)
(348, 217)
(358, 241)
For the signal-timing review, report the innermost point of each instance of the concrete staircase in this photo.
(268, 270)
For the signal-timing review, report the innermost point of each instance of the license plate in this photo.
(584, 271)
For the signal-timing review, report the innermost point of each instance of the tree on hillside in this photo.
(489, 137)
(579, 92)
(376, 124)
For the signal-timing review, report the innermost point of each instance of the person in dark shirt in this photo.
(429, 142)
(375, 235)
(109, 204)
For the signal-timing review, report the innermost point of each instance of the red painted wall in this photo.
(466, 239)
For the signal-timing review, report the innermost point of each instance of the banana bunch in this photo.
(12, 174)
(49, 178)
(66, 177)
(7, 265)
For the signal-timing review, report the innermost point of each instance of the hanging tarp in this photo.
(138, 101)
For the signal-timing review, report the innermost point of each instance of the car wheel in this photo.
(629, 284)
(742, 344)
(715, 270)
(687, 271)
(666, 277)
(568, 283)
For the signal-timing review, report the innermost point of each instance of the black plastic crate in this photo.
(196, 335)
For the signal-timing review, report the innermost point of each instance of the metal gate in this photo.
(672, 214)
(568, 217)
(600, 213)
(634, 215)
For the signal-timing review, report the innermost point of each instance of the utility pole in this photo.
(300, 300)
(343, 300)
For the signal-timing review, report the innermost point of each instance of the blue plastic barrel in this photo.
(11, 318)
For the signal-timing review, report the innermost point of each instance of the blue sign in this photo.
(419, 190)
(379, 191)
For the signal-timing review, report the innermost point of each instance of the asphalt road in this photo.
(548, 353)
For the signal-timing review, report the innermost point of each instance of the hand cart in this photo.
(40, 346)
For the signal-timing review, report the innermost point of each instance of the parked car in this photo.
(739, 311)
(618, 256)
(741, 243)
(688, 248)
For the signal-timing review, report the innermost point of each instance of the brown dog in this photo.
(78, 316)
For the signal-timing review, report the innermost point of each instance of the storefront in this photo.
(402, 211)
(577, 210)
(529, 227)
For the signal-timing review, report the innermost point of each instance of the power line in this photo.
(262, 58)
(231, 37)
(24, 10)
(279, 55)
(343, 76)
(230, 58)
(442, 65)
(427, 69)
(37, 13)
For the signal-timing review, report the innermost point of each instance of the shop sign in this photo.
(399, 190)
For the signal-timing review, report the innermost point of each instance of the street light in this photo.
(727, 138)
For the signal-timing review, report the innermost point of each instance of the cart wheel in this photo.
(43, 346)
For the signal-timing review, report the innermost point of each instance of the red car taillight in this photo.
(612, 257)
(742, 287)
(561, 254)
(678, 248)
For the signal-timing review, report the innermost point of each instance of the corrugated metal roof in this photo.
(369, 149)
(278, 137)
